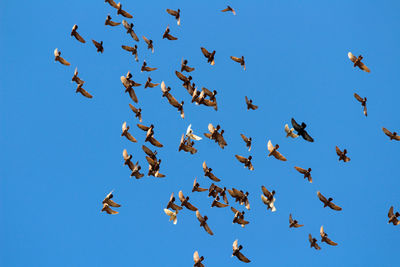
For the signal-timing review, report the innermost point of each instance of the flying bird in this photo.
(228, 8)
(268, 198)
(76, 34)
(99, 46)
(137, 111)
(112, 3)
(392, 136)
(294, 223)
(171, 203)
(218, 204)
(185, 67)
(300, 129)
(187, 145)
(149, 152)
(250, 104)
(191, 135)
(273, 151)
(129, 30)
(154, 168)
(107, 202)
(240, 197)
(145, 68)
(357, 62)
(237, 253)
(128, 88)
(245, 161)
(239, 217)
(110, 22)
(57, 57)
(197, 188)
(75, 78)
(328, 202)
(150, 84)
(208, 55)
(85, 93)
(126, 133)
(342, 155)
(172, 215)
(363, 102)
(185, 202)
(149, 43)
(203, 222)
(247, 141)
(290, 132)
(313, 242)
(239, 60)
(196, 258)
(393, 217)
(324, 237)
(176, 14)
(123, 12)
(208, 173)
(307, 173)
(168, 36)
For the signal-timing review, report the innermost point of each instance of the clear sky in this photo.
(62, 153)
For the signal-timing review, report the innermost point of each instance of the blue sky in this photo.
(61, 153)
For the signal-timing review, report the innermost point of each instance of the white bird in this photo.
(189, 134)
(172, 215)
(290, 132)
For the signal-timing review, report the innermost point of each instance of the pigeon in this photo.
(392, 136)
(342, 155)
(75, 78)
(363, 102)
(300, 130)
(208, 173)
(150, 84)
(137, 111)
(393, 217)
(191, 135)
(99, 46)
(239, 60)
(129, 29)
(245, 161)
(203, 222)
(324, 237)
(76, 34)
(250, 104)
(57, 57)
(268, 198)
(168, 36)
(357, 62)
(171, 203)
(197, 188)
(247, 141)
(313, 242)
(228, 8)
(208, 55)
(273, 151)
(172, 215)
(127, 134)
(85, 93)
(149, 43)
(307, 173)
(196, 258)
(123, 12)
(328, 202)
(237, 253)
(185, 202)
(109, 22)
(294, 223)
(176, 14)
(185, 67)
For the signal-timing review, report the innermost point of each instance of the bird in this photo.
(290, 132)
(171, 203)
(363, 102)
(149, 152)
(135, 171)
(186, 145)
(184, 79)
(128, 88)
(172, 100)
(245, 161)
(129, 29)
(357, 62)
(145, 68)
(85, 93)
(392, 136)
(191, 135)
(215, 135)
(176, 14)
(168, 36)
(236, 252)
(294, 223)
(137, 111)
(123, 12)
(239, 60)
(324, 237)
(150, 84)
(107, 202)
(300, 130)
(126, 133)
(228, 8)
(247, 141)
(172, 215)
(57, 57)
(250, 104)
(307, 173)
(149, 135)
(218, 204)
(109, 22)
(185, 202)
(185, 67)
(149, 43)
(393, 217)
(208, 173)
(313, 242)
(196, 258)
(154, 168)
(197, 188)
(342, 155)
(112, 3)
(328, 202)
(240, 197)
(239, 217)
(76, 34)
(203, 222)
(208, 55)
(127, 159)
(99, 46)
(135, 168)
(268, 198)
(107, 209)
(273, 151)
(75, 78)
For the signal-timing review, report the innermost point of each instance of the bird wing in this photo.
(112, 203)
(207, 228)
(63, 61)
(134, 36)
(173, 13)
(321, 197)
(244, 138)
(189, 129)
(213, 177)
(190, 206)
(181, 196)
(390, 214)
(241, 159)
(270, 146)
(236, 59)
(279, 156)
(307, 137)
(321, 231)
(135, 110)
(181, 76)
(128, 48)
(211, 128)
(85, 93)
(334, 206)
(338, 152)
(108, 209)
(300, 170)
(146, 40)
(351, 57)
(79, 37)
(125, 14)
(266, 192)
(130, 137)
(205, 52)
(155, 142)
(363, 67)
(235, 245)
(143, 127)
(330, 242)
(133, 96)
(387, 132)
(126, 24)
(295, 125)
(199, 217)
(113, 23)
(241, 257)
(196, 257)
(359, 98)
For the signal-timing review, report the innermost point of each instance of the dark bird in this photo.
(239, 60)
(393, 217)
(245, 161)
(342, 155)
(250, 104)
(185, 67)
(324, 237)
(123, 12)
(273, 151)
(149, 43)
(99, 46)
(129, 30)
(137, 111)
(168, 36)
(239, 217)
(131, 49)
(392, 136)
(85, 93)
(357, 62)
(185, 202)
(110, 22)
(240, 197)
(268, 198)
(149, 152)
(218, 204)
(128, 88)
(247, 141)
(328, 202)
(294, 223)
(307, 173)
(208, 55)
(197, 188)
(76, 34)
(203, 222)
(150, 84)
(363, 102)
(313, 242)
(237, 253)
(300, 129)
(214, 190)
(176, 14)
(171, 203)
(208, 173)
(154, 168)
(57, 57)
(112, 3)
(229, 9)
(75, 78)
(196, 258)
(107, 202)
(183, 78)
(145, 68)
(126, 133)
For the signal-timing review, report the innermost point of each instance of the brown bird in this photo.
(126, 133)
(149, 152)
(128, 88)
(307, 173)
(268, 198)
(99, 46)
(75, 78)
(313, 242)
(246, 162)
(237, 253)
(154, 168)
(127, 159)
(250, 104)
(176, 104)
(185, 202)
(247, 141)
(196, 258)
(176, 14)
(137, 111)
(186, 145)
(357, 62)
(123, 12)
(150, 84)
(171, 203)
(215, 135)
(290, 132)
(112, 3)
(208, 173)
(150, 135)
(131, 49)
(229, 9)
(240, 197)
(294, 223)
(197, 188)
(135, 171)
(57, 57)
(107, 209)
(392, 136)
(167, 35)
(239, 217)
(129, 30)
(342, 155)
(239, 60)
(208, 55)
(149, 43)
(107, 202)
(185, 67)
(172, 215)
(183, 78)
(203, 222)
(145, 68)
(328, 202)
(85, 93)
(393, 217)
(324, 237)
(76, 34)
(273, 150)
(363, 102)
(130, 81)
(218, 204)
(214, 190)
(110, 22)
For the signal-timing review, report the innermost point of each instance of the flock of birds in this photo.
(208, 98)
